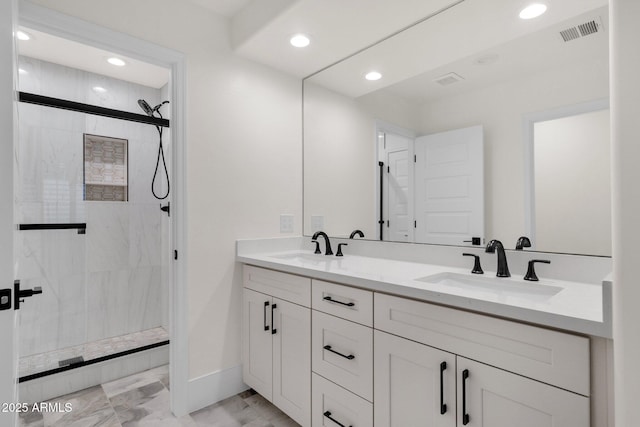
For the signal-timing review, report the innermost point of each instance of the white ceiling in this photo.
(76, 55)
(260, 31)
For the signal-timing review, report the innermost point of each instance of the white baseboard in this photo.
(214, 387)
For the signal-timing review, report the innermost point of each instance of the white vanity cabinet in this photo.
(276, 340)
(411, 384)
(336, 354)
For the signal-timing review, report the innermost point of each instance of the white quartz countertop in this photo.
(572, 306)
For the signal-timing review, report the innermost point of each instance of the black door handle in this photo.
(273, 328)
(328, 348)
(18, 294)
(443, 406)
(328, 415)
(264, 312)
(329, 299)
(465, 416)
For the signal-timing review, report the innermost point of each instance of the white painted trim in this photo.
(58, 24)
(214, 387)
(529, 121)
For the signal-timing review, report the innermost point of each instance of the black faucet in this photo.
(327, 243)
(355, 233)
(523, 242)
(503, 268)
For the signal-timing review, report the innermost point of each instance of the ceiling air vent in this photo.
(582, 30)
(448, 79)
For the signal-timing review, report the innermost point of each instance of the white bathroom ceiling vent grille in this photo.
(587, 28)
(448, 79)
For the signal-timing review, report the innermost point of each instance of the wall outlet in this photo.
(286, 223)
(317, 223)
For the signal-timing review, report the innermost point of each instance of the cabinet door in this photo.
(414, 385)
(491, 397)
(257, 353)
(292, 360)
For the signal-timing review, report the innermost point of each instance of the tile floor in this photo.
(143, 400)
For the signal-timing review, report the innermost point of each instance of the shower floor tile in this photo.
(143, 400)
(36, 363)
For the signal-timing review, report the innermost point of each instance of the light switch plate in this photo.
(317, 223)
(286, 223)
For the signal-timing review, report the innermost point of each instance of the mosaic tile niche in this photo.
(105, 168)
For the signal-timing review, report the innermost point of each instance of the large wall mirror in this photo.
(481, 125)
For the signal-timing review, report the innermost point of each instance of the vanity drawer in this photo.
(289, 287)
(552, 357)
(331, 404)
(342, 352)
(343, 301)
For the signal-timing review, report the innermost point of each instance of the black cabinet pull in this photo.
(273, 329)
(329, 299)
(266, 304)
(328, 348)
(465, 416)
(328, 415)
(443, 406)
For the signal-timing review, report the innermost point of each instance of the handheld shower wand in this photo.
(151, 112)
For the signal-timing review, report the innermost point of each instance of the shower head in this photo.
(145, 107)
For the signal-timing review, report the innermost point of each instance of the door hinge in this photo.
(387, 223)
(415, 224)
(415, 159)
(175, 254)
(388, 169)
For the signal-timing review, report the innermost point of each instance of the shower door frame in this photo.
(60, 25)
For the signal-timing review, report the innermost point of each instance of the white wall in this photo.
(339, 163)
(500, 109)
(625, 153)
(573, 184)
(107, 282)
(243, 158)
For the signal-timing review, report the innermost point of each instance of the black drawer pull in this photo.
(465, 416)
(328, 348)
(273, 329)
(348, 304)
(264, 312)
(328, 415)
(443, 406)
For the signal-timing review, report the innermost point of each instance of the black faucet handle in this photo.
(317, 251)
(531, 272)
(523, 242)
(340, 245)
(477, 268)
(355, 233)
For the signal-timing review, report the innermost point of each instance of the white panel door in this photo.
(449, 186)
(8, 348)
(257, 354)
(408, 381)
(292, 360)
(491, 397)
(398, 188)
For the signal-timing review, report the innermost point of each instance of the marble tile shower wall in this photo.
(107, 282)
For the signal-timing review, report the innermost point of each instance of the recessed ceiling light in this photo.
(99, 89)
(533, 11)
(21, 35)
(116, 61)
(373, 75)
(300, 40)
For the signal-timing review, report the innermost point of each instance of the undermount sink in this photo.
(303, 256)
(499, 286)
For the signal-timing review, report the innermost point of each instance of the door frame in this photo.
(75, 29)
(386, 127)
(528, 126)
(8, 132)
